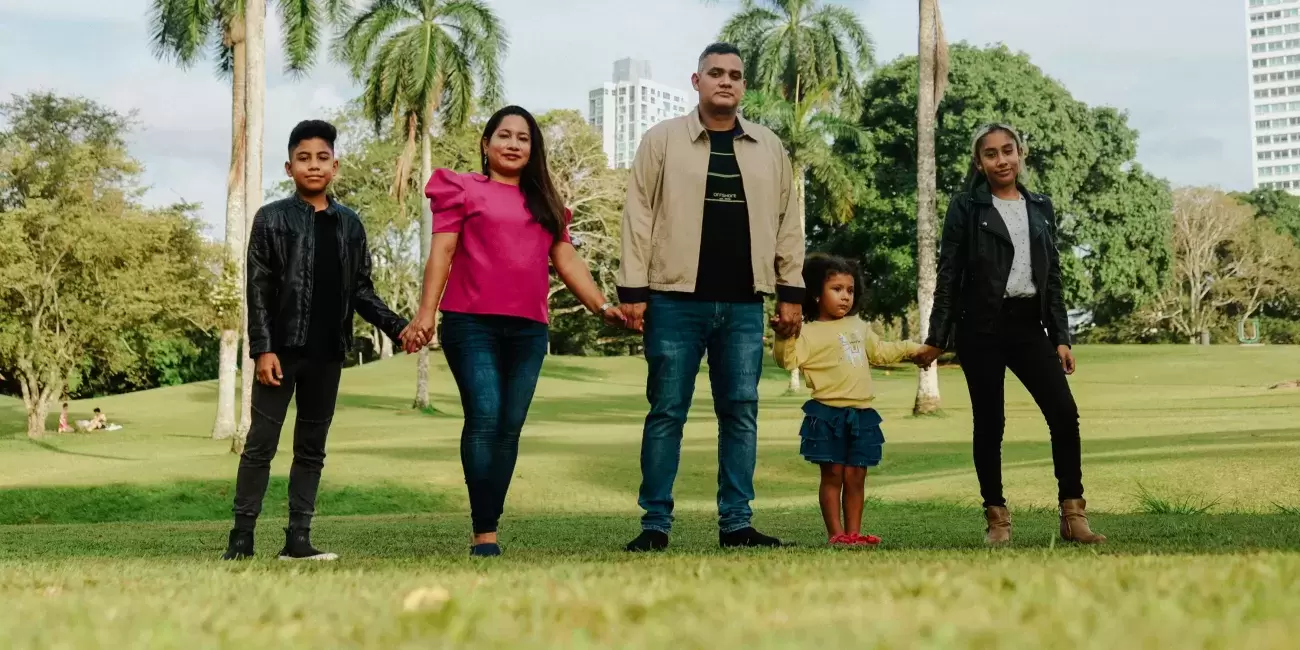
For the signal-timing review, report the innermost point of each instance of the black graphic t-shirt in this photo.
(725, 273)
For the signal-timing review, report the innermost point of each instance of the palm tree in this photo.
(933, 64)
(180, 31)
(417, 59)
(802, 44)
(808, 127)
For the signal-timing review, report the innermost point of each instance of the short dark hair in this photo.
(96, 410)
(718, 48)
(817, 269)
(310, 129)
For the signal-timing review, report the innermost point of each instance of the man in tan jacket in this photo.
(710, 227)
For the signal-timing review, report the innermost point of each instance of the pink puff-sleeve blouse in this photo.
(502, 261)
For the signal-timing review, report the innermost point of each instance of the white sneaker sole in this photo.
(322, 557)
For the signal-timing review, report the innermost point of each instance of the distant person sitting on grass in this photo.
(308, 269)
(840, 432)
(99, 422)
(998, 300)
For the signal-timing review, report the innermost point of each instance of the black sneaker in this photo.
(240, 546)
(297, 546)
(746, 537)
(485, 550)
(648, 540)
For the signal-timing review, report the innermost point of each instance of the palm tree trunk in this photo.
(800, 173)
(255, 25)
(426, 242)
(224, 426)
(927, 385)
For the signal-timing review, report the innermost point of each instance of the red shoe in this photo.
(863, 540)
(842, 539)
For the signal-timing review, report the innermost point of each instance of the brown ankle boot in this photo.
(1074, 523)
(998, 531)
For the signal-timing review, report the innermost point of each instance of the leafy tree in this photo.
(1205, 221)
(417, 59)
(81, 263)
(594, 193)
(181, 31)
(1277, 206)
(1113, 215)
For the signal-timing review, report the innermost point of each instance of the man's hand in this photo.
(1067, 358)
(268, 369)
(633, 315)
(927, 356)
(788, 320)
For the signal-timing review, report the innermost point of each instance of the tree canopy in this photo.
(1113, 215)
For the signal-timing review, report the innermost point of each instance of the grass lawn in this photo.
(1192, 466)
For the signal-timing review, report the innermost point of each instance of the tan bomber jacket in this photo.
(664, 212)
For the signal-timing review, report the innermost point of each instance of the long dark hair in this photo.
(540, 197)
(817, 269)
(975, 176)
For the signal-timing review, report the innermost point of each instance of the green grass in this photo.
(109, 540)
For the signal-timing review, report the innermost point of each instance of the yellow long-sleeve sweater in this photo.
(835, 358)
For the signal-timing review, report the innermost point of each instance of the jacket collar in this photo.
(332, 209)
(982, 194)
(695, 126)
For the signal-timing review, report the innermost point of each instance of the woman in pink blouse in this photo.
(504, 228)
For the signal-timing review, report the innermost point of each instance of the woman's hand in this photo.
(926, 356)
(613, 316)
(1067, 358)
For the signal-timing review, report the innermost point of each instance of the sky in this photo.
(1181, 74)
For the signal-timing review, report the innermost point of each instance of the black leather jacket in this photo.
(281, 256)
(975, 261)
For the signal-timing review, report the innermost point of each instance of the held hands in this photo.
(614, 317)
(268, 369)
(788, 321)
(418, 333)
(633, 314)
(926, 356)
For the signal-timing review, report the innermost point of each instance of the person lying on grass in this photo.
(840, 432)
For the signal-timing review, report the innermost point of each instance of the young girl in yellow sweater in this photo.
(840, 432)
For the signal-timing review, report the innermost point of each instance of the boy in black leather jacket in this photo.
(308, 270)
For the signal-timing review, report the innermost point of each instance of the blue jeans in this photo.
(496, 361)
(678, 332)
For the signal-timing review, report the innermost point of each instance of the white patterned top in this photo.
(1020, 284)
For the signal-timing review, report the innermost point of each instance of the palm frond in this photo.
(457, 82)
(301, 22)
(356, 46)
(483, 41)
(180, 29)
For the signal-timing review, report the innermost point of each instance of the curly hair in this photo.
(819, 268)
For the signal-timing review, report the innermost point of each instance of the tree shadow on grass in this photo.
(204, 500)
(615, 465)
(571, 371)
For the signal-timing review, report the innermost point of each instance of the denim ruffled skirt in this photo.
(843, 436)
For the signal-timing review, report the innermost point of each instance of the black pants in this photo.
(1021, 345)
(317, 385)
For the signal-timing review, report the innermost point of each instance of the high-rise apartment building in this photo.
(1275, 90)
(625, 108)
